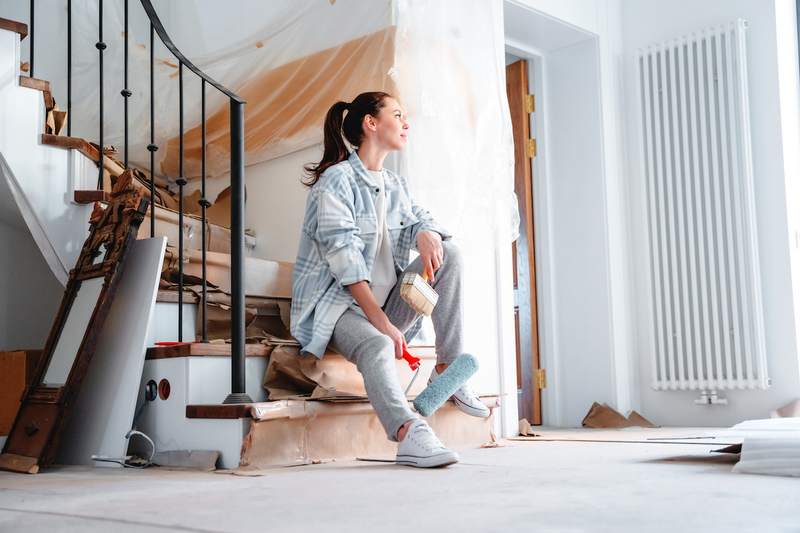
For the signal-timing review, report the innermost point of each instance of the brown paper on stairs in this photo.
(291, 376)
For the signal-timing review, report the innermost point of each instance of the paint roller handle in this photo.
(413, 362)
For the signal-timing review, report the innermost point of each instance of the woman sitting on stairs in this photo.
(359, 226)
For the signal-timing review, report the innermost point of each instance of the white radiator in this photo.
(705, 280)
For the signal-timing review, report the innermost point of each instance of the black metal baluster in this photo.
(126, 93)
(152, 146)
(204, 204)
(101, 46)
(181, 181)
(33, 33)
(238, 392)
(69, 67)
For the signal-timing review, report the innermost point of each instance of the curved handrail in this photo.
(162, 34)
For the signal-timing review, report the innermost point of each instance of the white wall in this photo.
(29, 293)
(276, 201)
(579, 245)
(648, 21)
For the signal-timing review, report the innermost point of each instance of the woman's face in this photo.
(390, 128)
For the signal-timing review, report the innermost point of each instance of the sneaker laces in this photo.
(466, 390)
(426, 436)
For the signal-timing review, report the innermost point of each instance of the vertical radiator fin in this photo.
(708, 329)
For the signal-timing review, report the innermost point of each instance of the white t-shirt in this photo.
(383, 275)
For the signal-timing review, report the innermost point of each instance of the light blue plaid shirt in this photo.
(338, 245)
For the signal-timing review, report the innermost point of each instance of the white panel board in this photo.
(104, 410)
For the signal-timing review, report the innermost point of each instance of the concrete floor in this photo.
(523, 486)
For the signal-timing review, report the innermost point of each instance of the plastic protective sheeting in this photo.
(287, 105)
(289, 59)
(459, 160)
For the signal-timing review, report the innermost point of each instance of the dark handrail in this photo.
(162, 34)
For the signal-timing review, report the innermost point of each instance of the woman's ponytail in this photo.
(338, 125)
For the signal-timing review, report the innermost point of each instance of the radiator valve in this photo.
(710, 398)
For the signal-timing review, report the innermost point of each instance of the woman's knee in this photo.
(452, 255)
(377, 350)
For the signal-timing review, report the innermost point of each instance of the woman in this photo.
(359, 227)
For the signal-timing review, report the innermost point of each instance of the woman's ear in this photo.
(369, 123)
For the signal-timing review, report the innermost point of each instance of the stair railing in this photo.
(238, 393)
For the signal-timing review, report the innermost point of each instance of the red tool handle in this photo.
(413, 362)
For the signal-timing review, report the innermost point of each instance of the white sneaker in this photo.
(423, 449)
(465, 399)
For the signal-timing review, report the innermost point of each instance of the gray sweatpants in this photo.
(373, 352)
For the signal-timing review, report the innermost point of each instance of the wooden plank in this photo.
(16, 27)
(84, 147)
(34, 83)
(200, 349)
(88, 197)
(19, 463)
(167, 296)
(75, 143)
(227, 411)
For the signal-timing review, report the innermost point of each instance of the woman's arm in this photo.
(363, 296)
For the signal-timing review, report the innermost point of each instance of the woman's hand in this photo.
(431, 253)
(366, 300)
(389, 329)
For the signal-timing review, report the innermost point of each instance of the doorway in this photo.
(572, 270)
(530, 375)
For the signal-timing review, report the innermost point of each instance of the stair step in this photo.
(16, 27)
(306, 432)
(219, 411)
(34, 83)
(75, 143)
(187, 349)
(89, 197)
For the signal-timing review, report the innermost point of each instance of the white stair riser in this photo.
(165, 420)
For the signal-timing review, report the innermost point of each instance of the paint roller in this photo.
(448, 382)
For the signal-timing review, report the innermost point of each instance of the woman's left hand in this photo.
(429, 245)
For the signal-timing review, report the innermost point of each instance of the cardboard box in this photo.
(16, 372)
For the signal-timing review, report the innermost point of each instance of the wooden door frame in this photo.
(524, 255)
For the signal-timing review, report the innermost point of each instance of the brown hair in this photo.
(338, 124)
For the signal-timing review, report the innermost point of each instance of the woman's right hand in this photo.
(394, 334)
(363, 296)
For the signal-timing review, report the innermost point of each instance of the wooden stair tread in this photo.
(89, 197)
(34, 83)
(295, 406)
(170, 296)
(219, 411)
(75, 143)
(16, 27)
(194, 349)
